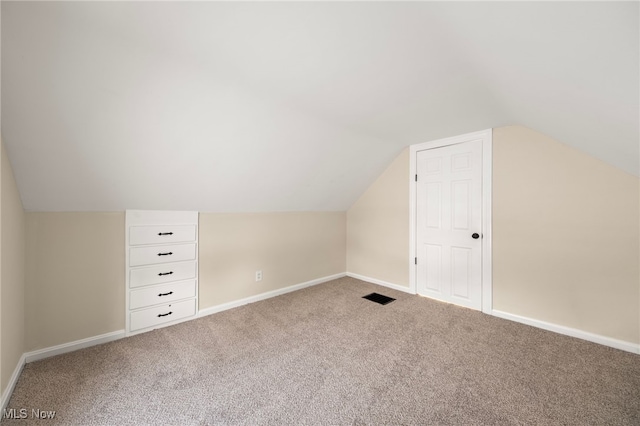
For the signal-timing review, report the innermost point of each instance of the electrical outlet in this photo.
(258, 275)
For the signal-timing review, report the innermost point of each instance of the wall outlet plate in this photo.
(258, 275)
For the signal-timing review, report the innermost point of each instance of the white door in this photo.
(449, 223)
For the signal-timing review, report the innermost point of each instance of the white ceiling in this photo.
(237, 107)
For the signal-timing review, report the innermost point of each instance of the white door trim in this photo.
(487, 142)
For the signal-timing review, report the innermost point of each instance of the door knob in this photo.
(475, 235)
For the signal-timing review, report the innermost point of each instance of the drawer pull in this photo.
(165, 294)
(164, 315)
(165, 233)
(165, 273)
(165, 254)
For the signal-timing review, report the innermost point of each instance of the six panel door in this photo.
(449, 223)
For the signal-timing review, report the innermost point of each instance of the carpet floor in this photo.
(325, 356)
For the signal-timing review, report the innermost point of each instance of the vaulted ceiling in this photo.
(263, 106)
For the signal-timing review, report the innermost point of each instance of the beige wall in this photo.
(12, 280)
(75, 269)
(378, 227)
(75, 276)
(566, 236)
(289, 248)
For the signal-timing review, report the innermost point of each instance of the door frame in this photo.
(486, 136)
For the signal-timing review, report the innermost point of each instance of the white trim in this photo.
(267, 295)
(380, 282)
(568, 331)
(413, 202)
(6, 395)
(487, 215)
(487, 166)
(73, 346)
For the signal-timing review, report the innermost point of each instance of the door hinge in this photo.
(416, 178)
(415, 260)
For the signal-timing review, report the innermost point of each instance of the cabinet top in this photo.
(160, 217)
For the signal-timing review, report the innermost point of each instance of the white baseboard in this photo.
(6, 395)
(584, 335)
(267, 295)
(380, 282)
(115, 335)
(73, 346)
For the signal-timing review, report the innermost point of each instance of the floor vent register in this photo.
(379, 298)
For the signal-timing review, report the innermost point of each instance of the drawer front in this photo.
(139, 235)
(157, 294)
(164, 273)
(162, 314)
(161, 254)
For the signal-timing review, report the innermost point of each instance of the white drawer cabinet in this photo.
(162, 268)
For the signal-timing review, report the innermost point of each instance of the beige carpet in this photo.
(326, 356)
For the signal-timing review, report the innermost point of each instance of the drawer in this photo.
(165, 273)
(161, 314)
(157, 294)
(139, 235)
(161, 254)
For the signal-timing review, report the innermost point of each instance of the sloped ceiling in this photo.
(239, 107)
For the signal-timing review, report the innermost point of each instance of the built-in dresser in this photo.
(161, 268)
